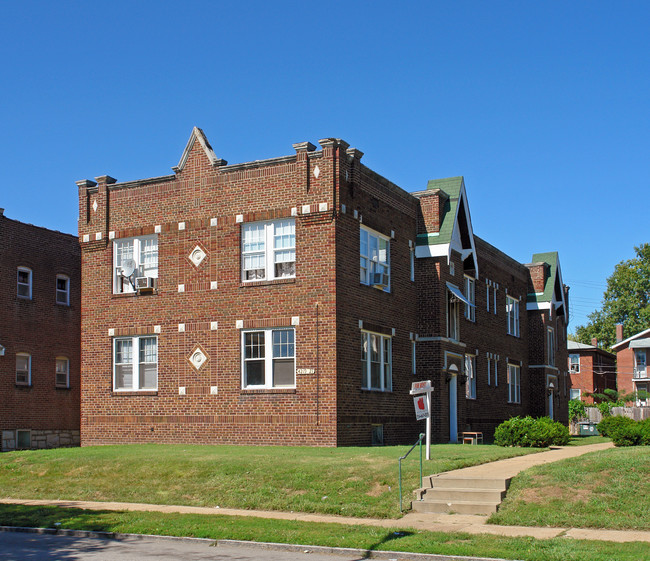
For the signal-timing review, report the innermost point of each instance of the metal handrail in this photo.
(419, 441)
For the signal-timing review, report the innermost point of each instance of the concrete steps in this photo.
(445, 493)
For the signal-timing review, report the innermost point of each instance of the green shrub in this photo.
(625, 431)
(645, 432)
(529, 432)
(609, 423)
(577, 410)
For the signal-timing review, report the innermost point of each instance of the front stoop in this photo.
(460, 495)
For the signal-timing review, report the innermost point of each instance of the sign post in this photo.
(423, 408)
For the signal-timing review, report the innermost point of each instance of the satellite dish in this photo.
(128, 267)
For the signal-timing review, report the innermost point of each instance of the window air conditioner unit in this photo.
(144, 284)
(379, 279)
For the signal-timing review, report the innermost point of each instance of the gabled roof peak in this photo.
(198, 135)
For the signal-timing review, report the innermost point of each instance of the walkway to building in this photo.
(471, 524)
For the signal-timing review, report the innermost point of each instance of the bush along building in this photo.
(40, 311)
(294, 301)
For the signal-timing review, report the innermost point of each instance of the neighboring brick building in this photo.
(592, 370)
(631, 360)
(40, 311)
(294, 300)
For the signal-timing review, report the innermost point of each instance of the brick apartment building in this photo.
(294, 300)
(592, 370)
(632, 364)
(40, 321)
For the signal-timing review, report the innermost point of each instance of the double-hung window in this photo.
(470, 294)
(470, 372)
(62, 375)
(376, 362)
(514, 383)
(62, 290)
(135, 363)
(452, 317)
(574, 363)
(269, 250)
(550, 346)
(375, 259)
(24, 283)
(512, 313)
(23, 369)
(269, 359)
(134, 258)
(640, 367)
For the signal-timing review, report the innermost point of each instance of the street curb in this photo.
(362, 553)
(98, 534)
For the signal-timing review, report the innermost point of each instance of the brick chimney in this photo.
(594, 342)
(619, 332)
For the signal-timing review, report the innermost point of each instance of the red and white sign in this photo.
(421, 387)
(421, 407)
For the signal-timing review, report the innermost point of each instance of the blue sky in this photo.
(542, 106)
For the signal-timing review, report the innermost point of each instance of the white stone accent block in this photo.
(295, 320)
(156, 329)
(181, 328)
(86, 238)
(214, 390)
(111, 235)
(181, 288)
(239, 218)
(214, 325)
(213, 221)
(294, 211)
(322, 207)
(157, 229)
(181, 225)
(111, 332)
(98, 236)
(214, 285)
(181, 390)
(306, 209)
(239, 324)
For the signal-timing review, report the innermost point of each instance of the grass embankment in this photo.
(359, 482)
(333, 535)
(609, 489)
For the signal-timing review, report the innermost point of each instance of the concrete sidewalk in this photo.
(420, 521)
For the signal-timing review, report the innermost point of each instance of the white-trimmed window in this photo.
(23, 369)
(574, 363)
(512, 312)
(24, 283)
(62, 375)
(574, 393)
(374, 250)
(514, 383)
(470, 294)
(640, 367)
(470, 372)
(135, 363)
(62, 290)
(269, 250)
(376, 362)
(134, 258)
(269, 358)
(492, 369)
(550, 346)
(452, 316)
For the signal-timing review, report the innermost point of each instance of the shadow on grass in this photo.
(21, 546)
(387, 538)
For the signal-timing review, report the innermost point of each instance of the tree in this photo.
(626, 300)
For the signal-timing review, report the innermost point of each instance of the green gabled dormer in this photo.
(547, 289)
(445, 223)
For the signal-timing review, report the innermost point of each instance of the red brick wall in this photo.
(39, 326)
(625, 370)
(306, 415)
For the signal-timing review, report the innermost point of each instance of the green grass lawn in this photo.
(349, 481)
(334, 535)
(608, 489)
